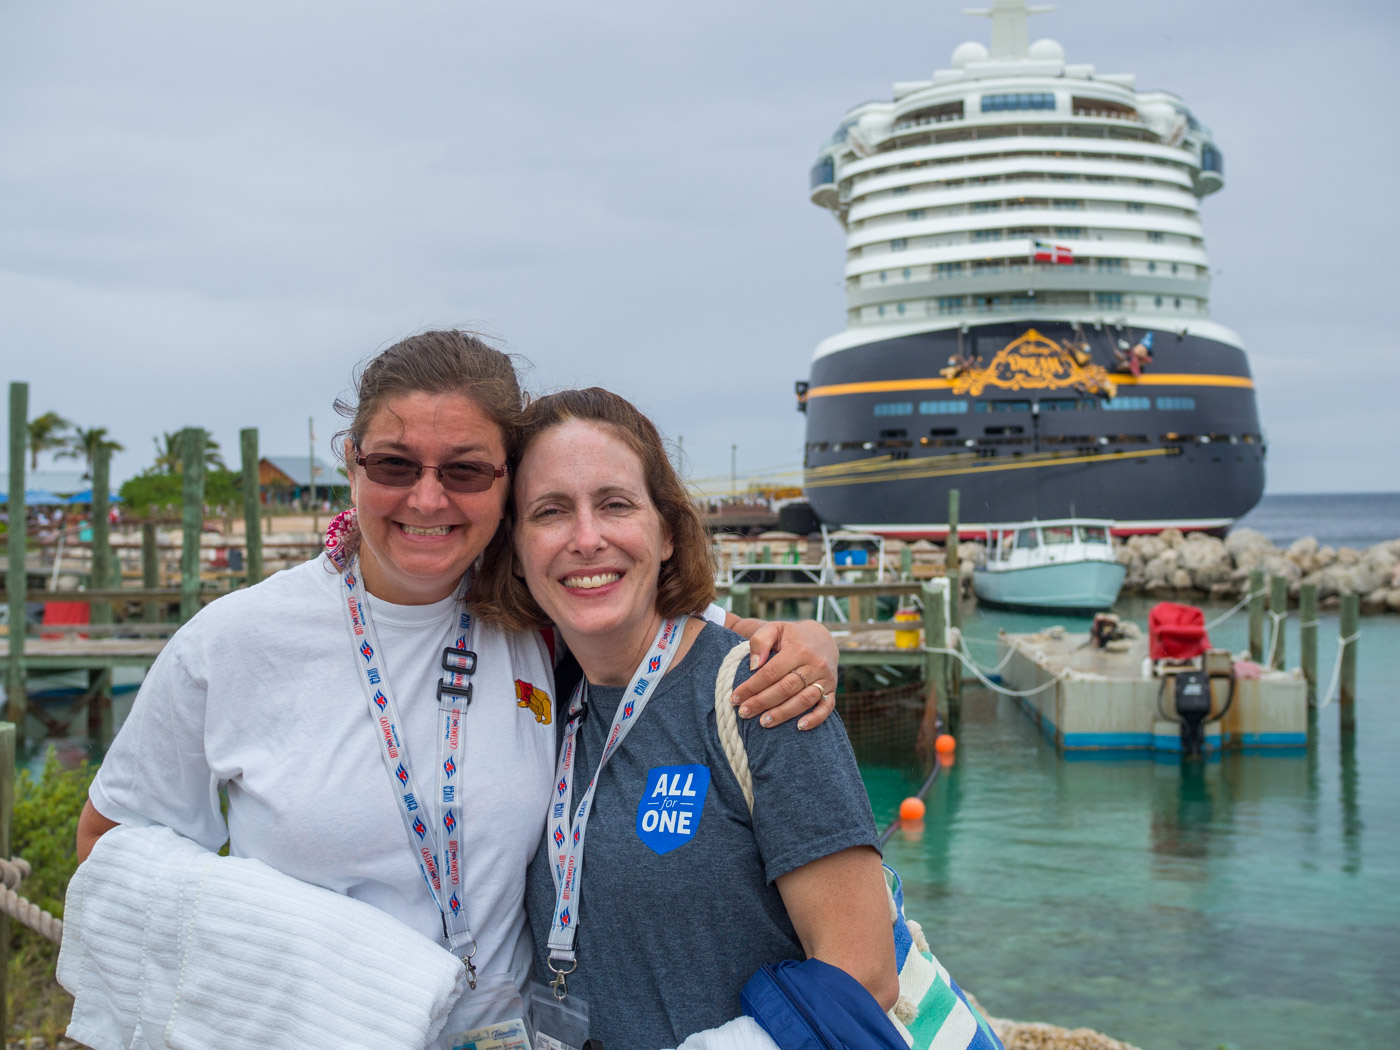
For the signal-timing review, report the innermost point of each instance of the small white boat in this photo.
(1067, 564)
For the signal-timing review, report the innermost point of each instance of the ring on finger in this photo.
(802, 676)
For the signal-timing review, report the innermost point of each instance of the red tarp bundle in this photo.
(1176, 632)
(65, 613)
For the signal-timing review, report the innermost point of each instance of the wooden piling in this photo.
(1351, 623)
(1256, 615)
(16, 579)
(951, 561)
(101, 577)
(935, 637)
(150, 570)
(1307, 637)
(7, 809)
(252, 530)
(906, 563)
(1278, 611)
(741, 600)
(192, 446)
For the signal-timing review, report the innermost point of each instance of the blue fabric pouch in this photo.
(813, 1005)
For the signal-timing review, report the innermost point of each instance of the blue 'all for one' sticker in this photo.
(669, 813)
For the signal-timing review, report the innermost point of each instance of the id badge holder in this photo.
(560, 1024)
(490, 1017)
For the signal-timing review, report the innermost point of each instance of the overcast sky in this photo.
(212, 212)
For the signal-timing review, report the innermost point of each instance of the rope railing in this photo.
(1213, 624)
(12, 873)
(977, 673)
(1337, 669)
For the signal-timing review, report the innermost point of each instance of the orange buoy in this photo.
(911, 809)
(945, 744)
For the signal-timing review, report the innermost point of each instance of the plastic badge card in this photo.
(492, 1017)
(560, 1024)
(508, 1036)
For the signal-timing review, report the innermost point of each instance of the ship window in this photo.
(1152, 268)
(1057, 535)
(1157, 301)
(1069, 231)
(949, 304)
(1109, 264)
(986, 235)
(1093, 533)
(1067, 205)
(1114, 299)
(1212, 160)
(1003, 431)
(1176, 303)
(823, 173)
(1064, 405)
(1173, 267)
(1134, 206)
(883, 276)
(1019, 100)
(1176, 404)
(1155, 237)
(899, 244)
(986, 205)
(917, 213)
(949, 269)
(1003, 406)
(906, 273)
(1027, 540)
(942, 408)
(888, 434)
(943, 432)
(899, 191)
(1127, 404)
(900, 307)
(895, 408)
(881, 309)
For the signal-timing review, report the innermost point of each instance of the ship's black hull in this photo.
(1033, 444)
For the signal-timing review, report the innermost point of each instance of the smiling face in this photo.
(416, 542)
(589, 544)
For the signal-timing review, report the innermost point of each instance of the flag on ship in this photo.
(1053, 253)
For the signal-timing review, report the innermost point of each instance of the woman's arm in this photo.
(796, 671)
(92, 825)
(840, 909)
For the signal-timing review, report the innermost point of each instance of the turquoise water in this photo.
(1250, 900)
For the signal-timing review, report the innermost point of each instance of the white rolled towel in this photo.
(176, 947)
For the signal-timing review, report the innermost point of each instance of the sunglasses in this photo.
(400, 472)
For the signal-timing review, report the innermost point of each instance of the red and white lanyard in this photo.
(568, 839)
(432, 822)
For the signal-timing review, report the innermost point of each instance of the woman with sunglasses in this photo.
(317, 699)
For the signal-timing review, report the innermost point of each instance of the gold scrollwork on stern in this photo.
(1036, 362)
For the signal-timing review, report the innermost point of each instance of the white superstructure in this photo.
(949, 192)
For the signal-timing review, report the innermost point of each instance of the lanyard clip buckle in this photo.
(559, 985)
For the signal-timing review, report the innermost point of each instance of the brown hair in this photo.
(687, 578)
(441, 362)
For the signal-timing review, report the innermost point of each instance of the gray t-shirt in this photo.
(677, 907)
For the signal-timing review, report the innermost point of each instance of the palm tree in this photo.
(84, 444)
(46, 432)
(170, 456)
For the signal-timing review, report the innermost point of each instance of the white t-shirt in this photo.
(261, 692)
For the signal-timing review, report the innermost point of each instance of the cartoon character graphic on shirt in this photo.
(672, 803)
(537, 700)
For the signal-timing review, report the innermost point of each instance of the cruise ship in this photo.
(1027, 315)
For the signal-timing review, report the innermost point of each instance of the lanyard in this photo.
(567, 866)
(432, 822)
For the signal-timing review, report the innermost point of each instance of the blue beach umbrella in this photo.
(35, 498)
(86, 497)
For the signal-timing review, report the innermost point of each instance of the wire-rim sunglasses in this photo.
(400, 472)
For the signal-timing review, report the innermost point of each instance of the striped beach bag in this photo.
(932, 1012)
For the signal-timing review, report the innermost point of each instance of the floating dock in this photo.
(1089, 699)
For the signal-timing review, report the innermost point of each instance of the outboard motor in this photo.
(1193, 703)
